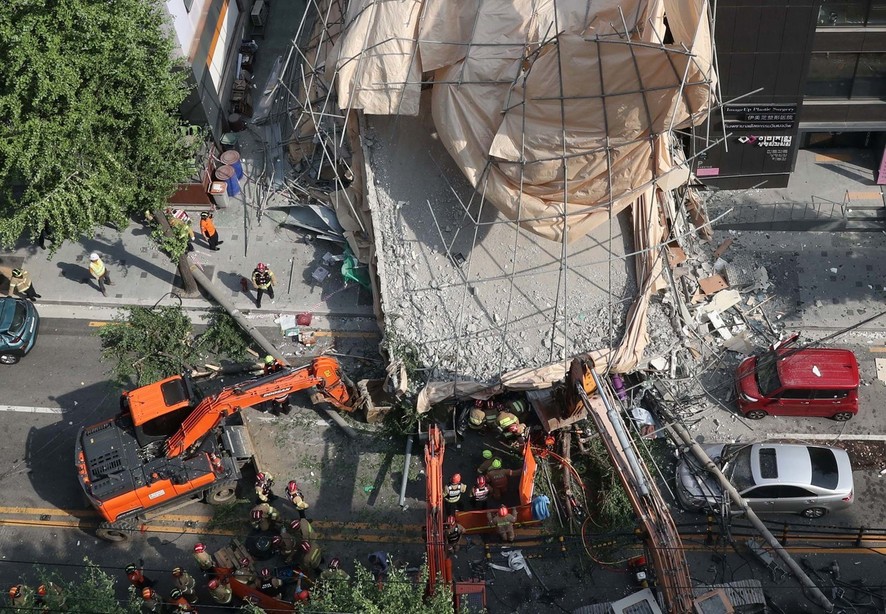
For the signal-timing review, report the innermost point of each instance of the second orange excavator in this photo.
(169, 446)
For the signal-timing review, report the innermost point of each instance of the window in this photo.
(830, 74)
(740, 475)
(796, 394)
(870, 76)
(768, 464)
(777, 491)
(824, 468)
(830, 394)
(767, 374)
(851, 13)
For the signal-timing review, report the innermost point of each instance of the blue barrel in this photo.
(226, 173)
(232, 158)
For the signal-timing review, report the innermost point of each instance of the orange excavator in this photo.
(168, 446)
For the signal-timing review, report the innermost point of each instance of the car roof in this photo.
(838, 368)
(7, 311)
(792, 464)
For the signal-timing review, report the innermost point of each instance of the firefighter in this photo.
(136, 576)
(284, 544)
(297, 498)
(263, 280)
(264, 517)
(334, 574)
(452, 496)
(517, 434)
(207, 229)
(220, 591)
(50, 597)
(300, 595)
(498, 479)
(311, 558)
(178, 603)
(454, 533)
(244, 573)
(379, 564)
(267, 583)
(151, 602)
(21, 282)
(185, 583)
(488, 459)
(503, 522)
(302, 529)
(203, 558)
(480, 493)
(503, 420)
(263, 483)
(18, 596)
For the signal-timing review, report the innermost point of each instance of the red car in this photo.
(791, 381)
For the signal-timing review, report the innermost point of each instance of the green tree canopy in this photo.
(89, 100)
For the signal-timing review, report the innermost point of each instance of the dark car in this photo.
(19, 322)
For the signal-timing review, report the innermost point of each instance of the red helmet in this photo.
(456, 479)
(305, 546)
(177, 571)
(199, 547)
(213, 584)
(259, 477)
(15, 591)
(502, 511)
(261, 266)
(295, 525)
(481, 481)
(277, 540)
(451, 521)
(334, 564)
(147, 593)
(41, 590)
(292, 486)
(265, 572)
(257, 514)
(244, 562)
(303, 596)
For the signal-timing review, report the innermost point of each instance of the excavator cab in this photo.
(159, 409)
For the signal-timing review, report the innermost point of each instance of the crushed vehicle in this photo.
(170, 445)
(771, 477)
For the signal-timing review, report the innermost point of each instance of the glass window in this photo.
(768, 464)
(842, 13)
(824, 468)
(796, 393)
(830, 394)
(870, 76)
(767, 373)
(877, 16)
(830, 74)
(740, 460)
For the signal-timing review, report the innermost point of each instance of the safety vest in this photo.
(453, 535)
(262, 279)
(207, 227)
(503, 522)
(268, 587)
(481, 493)
(97, 268)
(453, 492)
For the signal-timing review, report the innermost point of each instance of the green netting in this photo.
(352, 270)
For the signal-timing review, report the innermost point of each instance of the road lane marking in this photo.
(877, 348)
(341, 334)
(836, 437)
(26, 409)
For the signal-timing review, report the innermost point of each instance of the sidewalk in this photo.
(142, 275)
(825, 272)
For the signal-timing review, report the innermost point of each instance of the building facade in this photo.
(208, 35)
(793, 74)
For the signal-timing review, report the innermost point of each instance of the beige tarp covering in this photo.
(548, 107)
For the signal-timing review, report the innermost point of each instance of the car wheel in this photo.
(221, 494)
(814, 512)
(8, 359)
(843, 416)
(756, 414)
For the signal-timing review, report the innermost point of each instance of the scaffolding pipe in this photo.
(269, 348)
(406, 470)
(813, 591)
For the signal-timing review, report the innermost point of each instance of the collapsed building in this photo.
(512, 172)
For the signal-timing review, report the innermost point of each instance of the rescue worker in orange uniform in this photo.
(207, 229)
(136, 576)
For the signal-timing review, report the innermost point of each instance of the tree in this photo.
(89, 99)
(399, 593)
(148, 344)
(92, 590)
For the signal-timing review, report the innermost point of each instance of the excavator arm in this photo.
(323, 374)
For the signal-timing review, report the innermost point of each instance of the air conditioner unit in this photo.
(259, 13)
